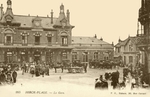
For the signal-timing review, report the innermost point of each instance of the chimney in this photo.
(119, 40)
(52, 16)
(101, 39)
(112, 43)
(137, 28)
(95, 36)
(1, 11)
(68, 16)
(142, 3)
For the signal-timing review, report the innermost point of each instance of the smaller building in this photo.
(127, 51)
(87, 49)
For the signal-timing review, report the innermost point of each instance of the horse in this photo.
(58, 65)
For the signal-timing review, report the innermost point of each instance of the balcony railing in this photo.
(37, 43)
(143, 39)
(8, 43)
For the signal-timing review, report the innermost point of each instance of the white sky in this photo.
(109, 19)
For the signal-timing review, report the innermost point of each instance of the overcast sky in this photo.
(109, 19)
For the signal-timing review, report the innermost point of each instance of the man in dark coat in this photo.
(114, 81)
(3, 77)
(117, 76)
(14, 76)
(85, 67)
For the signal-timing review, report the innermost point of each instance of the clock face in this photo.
(37, 23)
(63, 24)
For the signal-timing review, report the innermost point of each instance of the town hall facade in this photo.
(45, 39)
(33, 38)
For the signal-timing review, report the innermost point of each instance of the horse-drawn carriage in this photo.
(103, 64)
(65, 64)
(76, 67)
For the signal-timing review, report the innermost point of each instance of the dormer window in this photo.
(64, 37)
(64, 40)
(63, 23)
(8, 19)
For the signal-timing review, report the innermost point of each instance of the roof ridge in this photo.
(83, 36)
(34, 16)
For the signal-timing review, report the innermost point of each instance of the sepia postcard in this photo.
(71, 48)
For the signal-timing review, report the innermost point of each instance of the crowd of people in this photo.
(8, 75)
(102, 81)
(133, 78)
(35, 68)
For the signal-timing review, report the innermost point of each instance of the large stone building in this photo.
(88, 49)
(47, 39)
(33, 38)
(144, 44)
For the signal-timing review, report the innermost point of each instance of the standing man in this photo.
(14, 76)
(85, 67)
(117, 76)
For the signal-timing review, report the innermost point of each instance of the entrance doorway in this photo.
(23, 56)
(37, 56)
(9, 57)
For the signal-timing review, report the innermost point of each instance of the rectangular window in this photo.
(64, 40)
(130, 47)
(64, 55)
(24, 40)
(85, 57)
(8, 40)
(49, 40)
(96, 56)
(118, 50)
(130, 59)
(124, 60)
(74, 56)
(37, 40)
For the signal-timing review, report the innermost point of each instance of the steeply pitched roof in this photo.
(26, 21)
(134, 40)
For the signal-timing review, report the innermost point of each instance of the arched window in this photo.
(8, 36)
(64, 40)
(64, 37)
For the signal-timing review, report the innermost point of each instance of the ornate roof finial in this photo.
(119, 40)
(62, 8)
(9, 3)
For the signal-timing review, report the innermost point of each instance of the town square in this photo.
(45, 55)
